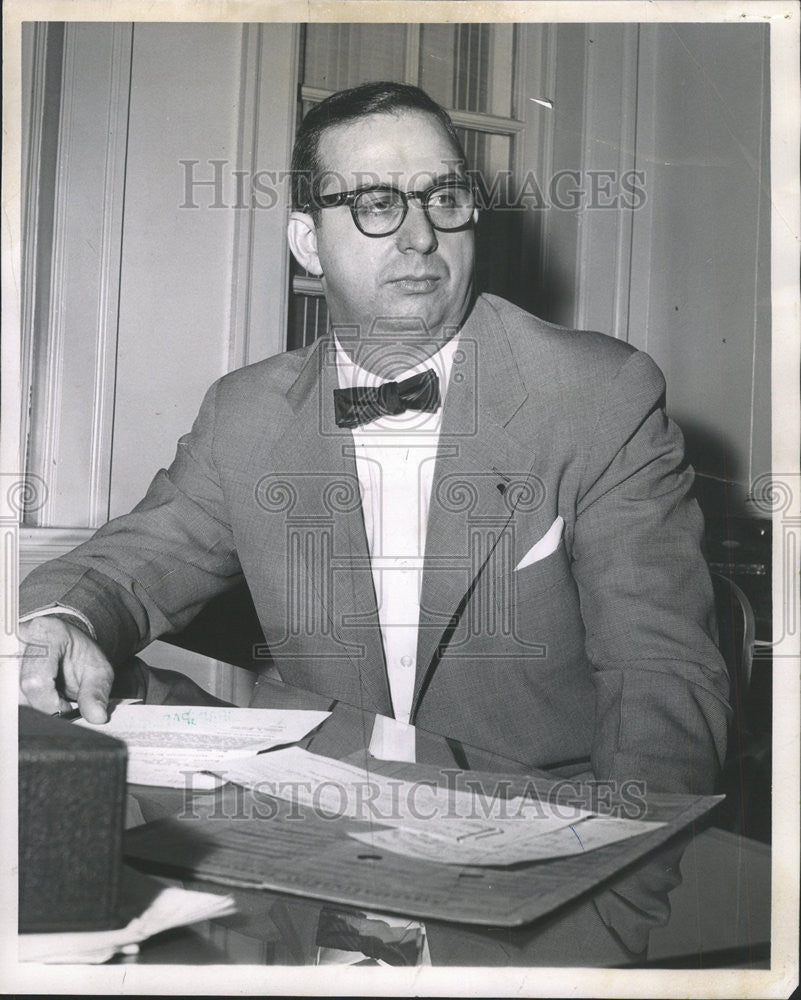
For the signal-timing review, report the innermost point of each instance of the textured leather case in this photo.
(71, 815)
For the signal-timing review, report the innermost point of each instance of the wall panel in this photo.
(176, 259)
(682, 270)
(701, 266)
(73, 337)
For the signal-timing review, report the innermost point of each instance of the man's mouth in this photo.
(419, 284)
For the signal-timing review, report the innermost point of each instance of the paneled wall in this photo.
(176, 261)
(676, 260)
(700, 278)
(157, 282)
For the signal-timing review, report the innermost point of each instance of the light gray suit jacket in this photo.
(603, 650)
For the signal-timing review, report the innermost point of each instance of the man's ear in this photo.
(302, 235)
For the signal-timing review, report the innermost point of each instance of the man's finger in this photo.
(38, 671)
(95, 677)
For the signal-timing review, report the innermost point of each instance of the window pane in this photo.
(308, 319)
(344, 55)
(489, 157)
(488, 154)
(469, 67)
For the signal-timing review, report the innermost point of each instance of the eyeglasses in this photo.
(380, 211)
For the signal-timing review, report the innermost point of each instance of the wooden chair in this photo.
(736, 634)
(746, 773)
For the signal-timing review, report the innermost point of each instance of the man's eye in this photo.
(377, 202)
(443, 199)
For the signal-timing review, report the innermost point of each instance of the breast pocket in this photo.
(540, 604)
(541, 576)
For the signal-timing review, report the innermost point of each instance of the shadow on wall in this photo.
(509, 264)
(720, 485)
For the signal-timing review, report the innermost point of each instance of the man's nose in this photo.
(416, 232)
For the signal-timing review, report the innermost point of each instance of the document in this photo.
(424, 820)
(335, 788)
(505, 844)
(174, 746)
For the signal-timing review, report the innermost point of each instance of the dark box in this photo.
(71, 816)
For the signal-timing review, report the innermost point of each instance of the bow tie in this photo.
(363, 404)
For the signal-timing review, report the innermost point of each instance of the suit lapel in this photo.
(476, 480)
(327, 502)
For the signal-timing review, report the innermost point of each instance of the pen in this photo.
(74, 713)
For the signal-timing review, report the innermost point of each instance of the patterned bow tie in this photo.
(363, 404)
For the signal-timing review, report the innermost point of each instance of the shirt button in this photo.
(406, 661)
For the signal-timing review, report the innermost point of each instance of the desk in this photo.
(719, 913)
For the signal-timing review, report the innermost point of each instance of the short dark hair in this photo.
(383, 97)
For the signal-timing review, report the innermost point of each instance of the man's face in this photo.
(417, 280)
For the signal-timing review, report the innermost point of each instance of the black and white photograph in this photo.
(400, 498)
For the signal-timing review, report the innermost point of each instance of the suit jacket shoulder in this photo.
(249, 405)
(547, 350)
(573, 380)
(270, 378)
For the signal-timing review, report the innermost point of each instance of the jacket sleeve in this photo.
(150, 571)
(646, 596)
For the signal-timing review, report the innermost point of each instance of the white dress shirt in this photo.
(395, 458)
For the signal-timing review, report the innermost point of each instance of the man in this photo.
(502, 551)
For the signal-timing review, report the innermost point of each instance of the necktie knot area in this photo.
(389, 398)
(363, 404)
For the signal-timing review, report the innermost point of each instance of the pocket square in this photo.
(545, 546)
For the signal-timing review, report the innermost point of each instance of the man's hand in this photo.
(61, 663)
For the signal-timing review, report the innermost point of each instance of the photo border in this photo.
(785, 133)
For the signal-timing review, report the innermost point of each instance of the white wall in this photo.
(701, 258)
(177, 263)
(686, 275)
(149, 300)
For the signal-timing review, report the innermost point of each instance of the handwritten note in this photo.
(505, 844)
(173, 745)
(423, 820)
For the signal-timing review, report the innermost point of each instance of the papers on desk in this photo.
(173, 745)
(334, 788)
(505, 843)
(423, 820)
(173, 907)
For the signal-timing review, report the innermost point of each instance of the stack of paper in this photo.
(173, 745)
(173, 907)
(423, 820)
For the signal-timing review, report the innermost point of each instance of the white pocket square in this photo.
(545, 546)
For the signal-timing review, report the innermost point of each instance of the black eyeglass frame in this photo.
(349, 198)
